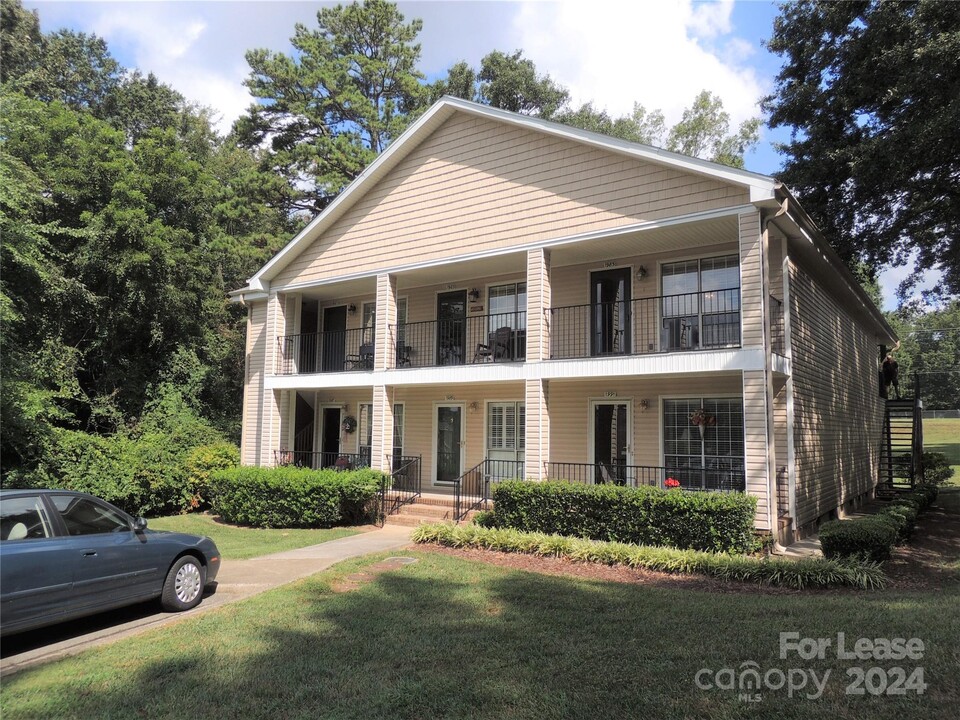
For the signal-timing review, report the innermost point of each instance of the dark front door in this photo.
(610, 442)
(307, 360)
(330, 440)
(610, 312)
(449, 442)
(334, 338)
(451, 327)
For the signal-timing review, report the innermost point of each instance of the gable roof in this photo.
(761, 187)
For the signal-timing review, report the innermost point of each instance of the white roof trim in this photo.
(761, 186)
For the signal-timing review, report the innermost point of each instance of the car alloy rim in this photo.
(188, 582)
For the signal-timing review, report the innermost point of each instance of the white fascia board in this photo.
(761, 187)
(687, 363)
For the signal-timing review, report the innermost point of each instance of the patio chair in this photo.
(497, 347)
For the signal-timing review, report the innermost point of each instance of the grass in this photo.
(944, 436)
(451, 638)
(241, 543)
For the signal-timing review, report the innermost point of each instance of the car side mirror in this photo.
(139, 524)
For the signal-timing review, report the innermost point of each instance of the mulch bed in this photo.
(924, 563)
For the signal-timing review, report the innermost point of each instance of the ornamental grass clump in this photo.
(804, 573)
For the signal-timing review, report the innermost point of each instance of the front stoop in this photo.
(426, 510)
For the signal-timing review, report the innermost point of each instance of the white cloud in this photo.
(171, 42)
(660, 54)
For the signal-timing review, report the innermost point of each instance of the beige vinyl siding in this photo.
(253, 387)
(838, 413)
(756, 440)
(752, 298)
(478, 185)
(419, 412)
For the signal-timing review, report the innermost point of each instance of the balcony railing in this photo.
(323, 460)
(462, 341)
(473, 489)
(777, 331)
(335, 351)
(689, 478)
(668, 323)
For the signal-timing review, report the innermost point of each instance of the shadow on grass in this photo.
(448, 639)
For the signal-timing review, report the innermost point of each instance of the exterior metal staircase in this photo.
(901, 452)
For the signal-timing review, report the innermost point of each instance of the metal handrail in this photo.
(704, 320)
(474, 486)
(495, 338)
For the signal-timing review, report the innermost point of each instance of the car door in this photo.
(113, 565)
(36, 566)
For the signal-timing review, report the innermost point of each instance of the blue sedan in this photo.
(65, 554)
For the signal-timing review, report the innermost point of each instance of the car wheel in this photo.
(183, 588)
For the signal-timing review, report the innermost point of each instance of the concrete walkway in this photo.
(237, 580)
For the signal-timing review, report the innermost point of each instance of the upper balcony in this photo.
(706, 320)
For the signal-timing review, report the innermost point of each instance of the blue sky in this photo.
(660, 53)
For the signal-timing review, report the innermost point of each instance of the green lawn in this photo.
(448, 638)
(944, 436)
(236, 543)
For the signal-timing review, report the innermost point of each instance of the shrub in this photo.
(201, 462)
(716, 522)
(936, 468)
(294, 497)
(485, 518)
(870, 537)
(908, 512)
(806, 572)
(924, 493)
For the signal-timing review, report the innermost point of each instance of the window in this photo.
(713, 460)
(365, 431)
(23, 518)
(506, 423)
(369, 318)
(86, 517)
(507, 306)
(701, 303)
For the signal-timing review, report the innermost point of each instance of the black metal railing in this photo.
(335, 351)
(462, 341)
(777, 331)
(662, 324)
(402, 487)
(687, 478)
(323, 460)
(783, 492)
(473, 489)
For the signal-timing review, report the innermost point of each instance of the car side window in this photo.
(23, 518)
(85, 517)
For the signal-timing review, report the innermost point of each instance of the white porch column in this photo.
(270, 437)
(381, 451)
(538, 305)
(537, 429)
(385, 356)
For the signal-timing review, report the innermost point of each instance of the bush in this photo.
(291, 497)
(936, 468)
(715, 522)
(201, 462)
(906, 514)
(869, 537)
(924, 493)
(485, 518)
(806, 572)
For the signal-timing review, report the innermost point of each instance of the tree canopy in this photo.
(871, 94)
(350, 87)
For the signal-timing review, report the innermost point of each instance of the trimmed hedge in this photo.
(714, 522)
(800, 573)
(874, 536)
(291, 497)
